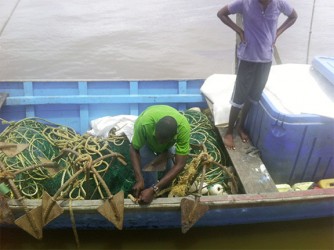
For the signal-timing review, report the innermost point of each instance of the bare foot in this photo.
(243, 135)
(228, 141)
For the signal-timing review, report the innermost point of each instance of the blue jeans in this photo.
(146, 156)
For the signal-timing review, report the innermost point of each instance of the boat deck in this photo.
(248, 165)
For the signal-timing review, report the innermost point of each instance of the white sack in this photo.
(218, 88)
(123, 124)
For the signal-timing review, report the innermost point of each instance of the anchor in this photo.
(47, 201)
(11, 149)
(192, 211)
(30, 222)
(112, 209)
(35, 219)
(6, 215)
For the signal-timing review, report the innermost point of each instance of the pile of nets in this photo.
(205, 150)
(39, 150)
(50, 142)
(69, 151)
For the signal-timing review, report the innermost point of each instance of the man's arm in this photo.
(223, 15)
(147, 195)
(135, 160)
(180, 162)
(287, 23)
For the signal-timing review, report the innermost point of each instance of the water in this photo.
(308, 234)
(83, 39)
(101, 39)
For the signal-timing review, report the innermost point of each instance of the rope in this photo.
(74, 227)
(72, 152)
(202, 133)
(47, 141)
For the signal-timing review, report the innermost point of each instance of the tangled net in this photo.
(68, 151)
(50, 142)
(205, 150)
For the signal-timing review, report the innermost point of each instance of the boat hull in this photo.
(76, 103)
(223, 210)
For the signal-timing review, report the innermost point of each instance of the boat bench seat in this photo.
(248, 165)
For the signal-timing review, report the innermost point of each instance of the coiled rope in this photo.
(70, 151)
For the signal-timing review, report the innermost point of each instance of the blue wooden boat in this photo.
(76, 103)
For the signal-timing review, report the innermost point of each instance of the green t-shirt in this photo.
(144, 130)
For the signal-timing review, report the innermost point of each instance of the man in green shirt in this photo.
(158, 131)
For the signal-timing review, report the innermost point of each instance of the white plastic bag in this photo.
(123, 124)
(218, 89)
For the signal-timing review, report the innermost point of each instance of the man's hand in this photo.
(137, 188)
(242, 36)
(146, 196)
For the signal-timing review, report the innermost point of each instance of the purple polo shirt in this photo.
(260, 27)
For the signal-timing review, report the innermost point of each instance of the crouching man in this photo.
(160, 132)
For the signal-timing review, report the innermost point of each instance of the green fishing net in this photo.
(48, 142)
(71, 152)
(39, 149)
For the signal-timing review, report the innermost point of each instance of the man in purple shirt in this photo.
(257, 39)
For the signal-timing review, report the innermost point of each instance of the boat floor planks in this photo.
(3, 97)
(247, 163)
(249, 167)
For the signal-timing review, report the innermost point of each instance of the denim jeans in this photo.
(146, 156)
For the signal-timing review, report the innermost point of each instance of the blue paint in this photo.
(325, 66)
(76, 103)
(292, 146)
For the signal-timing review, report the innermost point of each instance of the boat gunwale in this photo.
(103, 80)
(227, 201)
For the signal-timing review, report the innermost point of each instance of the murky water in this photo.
(109, 39)
(310, 234)
(83, 39)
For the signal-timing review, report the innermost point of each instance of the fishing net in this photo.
(75, 154)
(39, 150)
(100, 155)
(50, 142)
(205, 148)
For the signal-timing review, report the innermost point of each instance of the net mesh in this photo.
(70, 151)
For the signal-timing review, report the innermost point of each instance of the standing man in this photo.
(258, 37)
(159, 132)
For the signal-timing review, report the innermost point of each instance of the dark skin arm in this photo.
(145, 196)
(224, 13)
(287, 23)
(135, 159)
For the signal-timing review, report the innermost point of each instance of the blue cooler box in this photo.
(325, 66)
(293, 125)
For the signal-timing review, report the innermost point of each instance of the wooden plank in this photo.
(3, 97)
(316, 196)
(248, 165)
(252, 172)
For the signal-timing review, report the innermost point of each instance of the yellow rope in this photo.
(200, 134)
(62, 138)
(74, 227)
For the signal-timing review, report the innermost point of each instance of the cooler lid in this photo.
(325, 66)
(299, 89)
